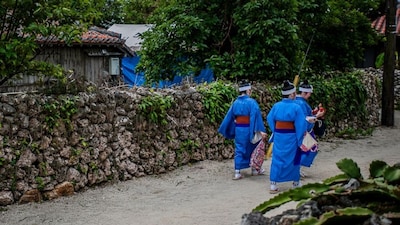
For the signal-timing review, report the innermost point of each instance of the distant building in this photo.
(96, 58)
(131, 33)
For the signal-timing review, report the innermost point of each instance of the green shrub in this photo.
(217, 98)
(154, 108)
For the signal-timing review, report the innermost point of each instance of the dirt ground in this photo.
(199, 194)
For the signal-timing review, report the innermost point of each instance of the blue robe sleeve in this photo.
(270, 120)
(306, 108)
(227, 127)
(271, 123)
(256, 120)
(300, 123)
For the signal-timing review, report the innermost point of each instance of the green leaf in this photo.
(274, 202)
(305, 192)
(392, 175)
(350, 168)
(307, 221)
(308, 191)
(377, 168)
(345, 216)
(340, 178)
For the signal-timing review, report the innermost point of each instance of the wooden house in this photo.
(379, 25)
(96, 58)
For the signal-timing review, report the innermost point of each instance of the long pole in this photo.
(389, 65)
(297, 77)
(305, 56)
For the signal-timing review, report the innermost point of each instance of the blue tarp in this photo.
(128, 71)
(137, 79)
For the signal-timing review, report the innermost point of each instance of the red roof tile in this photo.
(94, 36)
(379, 24)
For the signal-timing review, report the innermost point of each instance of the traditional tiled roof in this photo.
(94, 36)
(98, 35)
(379, 24)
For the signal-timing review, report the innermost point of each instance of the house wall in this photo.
(369, 58)
(68, 58)
(93, 67)
(78, 60)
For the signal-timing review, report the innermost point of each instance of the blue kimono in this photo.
(307, 158)
(288, 124)
(241, 122)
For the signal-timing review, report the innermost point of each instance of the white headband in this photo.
(288, 92)
(244, 88)
(310, 90)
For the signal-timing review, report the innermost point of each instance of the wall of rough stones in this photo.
(108, 139)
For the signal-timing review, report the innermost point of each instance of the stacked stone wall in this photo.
(46, 152)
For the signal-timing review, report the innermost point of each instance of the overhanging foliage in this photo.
(256, 40)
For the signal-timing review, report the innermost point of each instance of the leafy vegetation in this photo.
(256, 40)
(188, 146)
(110, 12)
(217, 98)
(341, 31)
(2, 161)
(351, 133)
(341, 93)
(347, 197)
(60, 110)
(138, 11)
(154, 108)
(40, 183)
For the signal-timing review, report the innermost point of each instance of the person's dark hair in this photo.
(287, 88)
(305, 84)
(305, 87)
(287, 85)
(244, 85)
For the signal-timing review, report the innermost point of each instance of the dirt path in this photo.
(201, 194)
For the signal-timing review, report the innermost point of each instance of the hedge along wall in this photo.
(110, 135)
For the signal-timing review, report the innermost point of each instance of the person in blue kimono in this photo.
(241, 123)
(288, 124)
(305, 91)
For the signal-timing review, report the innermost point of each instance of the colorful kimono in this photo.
(288, 124)
(241, 122)
(307, 158)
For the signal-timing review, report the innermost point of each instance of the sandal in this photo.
(296, 185)
(258, 172)
(237, 176)
(275, 191)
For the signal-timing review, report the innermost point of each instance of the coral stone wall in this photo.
(106, 139)
(48, 148)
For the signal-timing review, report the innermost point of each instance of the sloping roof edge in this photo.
(94, 36)
(379, 24)
(131, 33)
